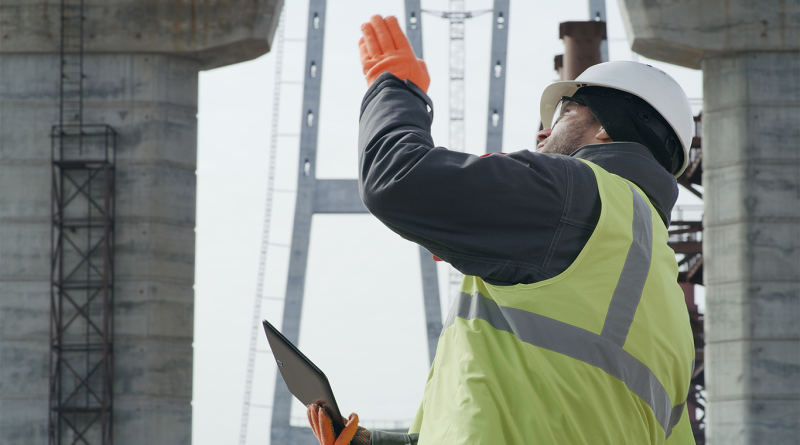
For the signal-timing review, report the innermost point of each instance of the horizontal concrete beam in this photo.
(217, 33)
(684, 32)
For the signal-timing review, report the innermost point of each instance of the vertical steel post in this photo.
(430, 275)
(281, 431)
(497, 77)
(82, 251)
(581, 46)
(414, 25)
(456, 16)
(597, 12)
(330, 196)
(82, 285)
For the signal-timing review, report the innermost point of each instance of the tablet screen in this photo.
(304, 380)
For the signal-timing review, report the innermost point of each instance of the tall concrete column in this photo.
(582, 46)
(750, 56)
(141, 63)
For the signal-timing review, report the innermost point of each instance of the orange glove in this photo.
(322, 426)
(384, 48)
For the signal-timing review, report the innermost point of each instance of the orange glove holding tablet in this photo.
(384, 48)
(322, 425)
(310, 385)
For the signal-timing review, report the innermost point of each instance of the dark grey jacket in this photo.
(517, 218)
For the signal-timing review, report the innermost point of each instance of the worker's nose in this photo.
(543, 134)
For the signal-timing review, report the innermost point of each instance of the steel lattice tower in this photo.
(497, 84)
(82, 257)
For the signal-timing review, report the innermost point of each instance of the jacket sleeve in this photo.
(389, 438)
(496, 217)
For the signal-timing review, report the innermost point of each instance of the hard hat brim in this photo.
(617, 75)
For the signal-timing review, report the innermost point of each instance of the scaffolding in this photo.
(686, 239)
(82, 257)
(82, 291)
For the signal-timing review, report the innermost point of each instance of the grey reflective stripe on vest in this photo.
(631, 281)
(602, 351)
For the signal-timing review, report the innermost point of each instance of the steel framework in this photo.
(82, 291)
(497, 77)
(494, 133)
(82, 257)
(686, 238)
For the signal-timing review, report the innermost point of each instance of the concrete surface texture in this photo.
(684, 32)
(750, 56)
(141, 63)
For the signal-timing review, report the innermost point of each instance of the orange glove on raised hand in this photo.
(384, 48)
(322, 426)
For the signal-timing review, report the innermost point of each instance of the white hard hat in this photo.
(651, 84)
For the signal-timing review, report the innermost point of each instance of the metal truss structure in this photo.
(82, 257)
(497, 86)
(456, 15)
(686, 238)
(82, 291)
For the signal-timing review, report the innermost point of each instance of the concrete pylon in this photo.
(582, 46)
(141, 60)
(750, 56)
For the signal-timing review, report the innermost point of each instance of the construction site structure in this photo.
(750, 58)
(319, 196)
(582, 44)
(457, 15)
(98, 138)
(81, 257)
(686, 239)
(497, 77)
(597, 13)
(255, 330)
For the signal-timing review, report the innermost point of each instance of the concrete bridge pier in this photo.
(750, 56)
(141, 61)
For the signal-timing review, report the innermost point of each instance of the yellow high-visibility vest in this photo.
(600, 354)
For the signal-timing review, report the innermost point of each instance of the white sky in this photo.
(362, 319)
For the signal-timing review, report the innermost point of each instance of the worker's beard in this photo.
(574, 137)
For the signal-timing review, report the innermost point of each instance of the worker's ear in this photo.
(602, 135)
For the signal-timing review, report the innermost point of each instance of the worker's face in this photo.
(576, 128)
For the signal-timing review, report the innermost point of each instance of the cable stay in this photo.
(259, 297)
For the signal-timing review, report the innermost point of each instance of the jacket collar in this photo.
(635, 163)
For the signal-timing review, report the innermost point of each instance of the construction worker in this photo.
(570, 327)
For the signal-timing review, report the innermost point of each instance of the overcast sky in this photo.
(363, 323)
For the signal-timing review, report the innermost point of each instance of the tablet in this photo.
(304, 380)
